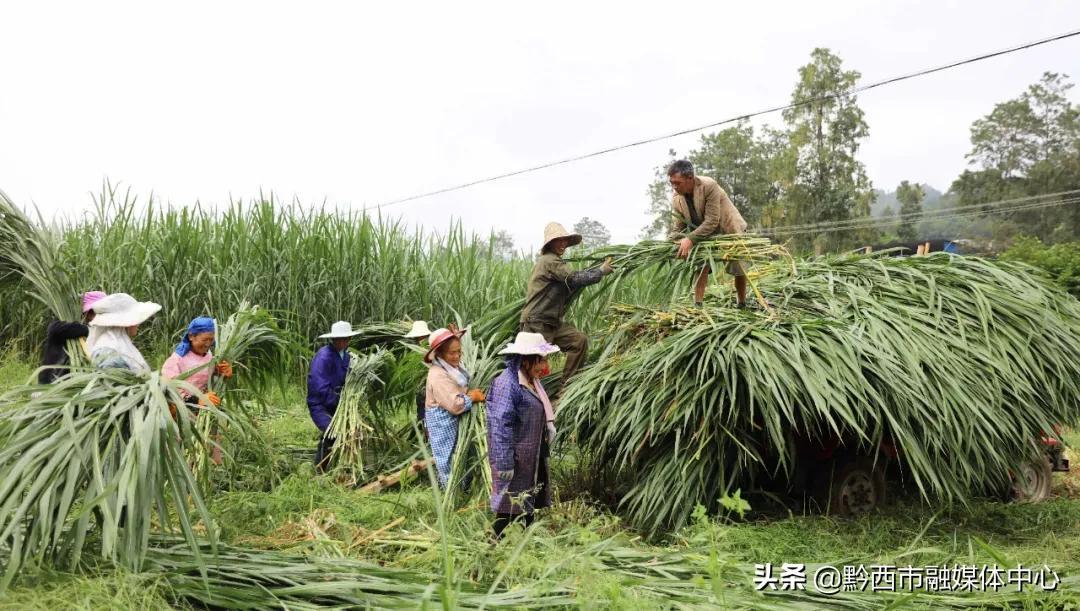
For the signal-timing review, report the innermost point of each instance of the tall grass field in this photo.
(281, 535)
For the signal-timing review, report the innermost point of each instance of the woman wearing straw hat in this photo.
(327, 377)
(552, 286)
(521, 427)
(448, 397)
(117, 320)
(54, 356)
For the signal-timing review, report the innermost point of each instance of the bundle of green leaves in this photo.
(961, 362)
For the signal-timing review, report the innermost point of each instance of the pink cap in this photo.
(89, 299)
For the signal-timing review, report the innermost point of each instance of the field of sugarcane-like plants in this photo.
(110, 496)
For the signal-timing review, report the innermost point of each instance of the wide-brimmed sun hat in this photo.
(122, 310)
(554, 231)
(419, 329)
(527, 344)
(339, 330)
(440, 337)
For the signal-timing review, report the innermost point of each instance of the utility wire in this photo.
(852, 91)
(877, 221)
(1020, 203)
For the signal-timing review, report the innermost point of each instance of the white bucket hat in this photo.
(530, 343)
(121, 310)
(419, 329)
(554, 231)
(338, 330)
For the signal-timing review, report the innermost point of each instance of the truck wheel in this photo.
(856, 488)
(1033, 483)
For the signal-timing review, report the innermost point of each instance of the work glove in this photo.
(551, 432)
(477, 396)
(606, 267)
(212, 397)
(224, 369)
(505, 476)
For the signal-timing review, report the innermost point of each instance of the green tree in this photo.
(910, 197)
(503, 243)
(828, 182)
(1029, 145)
(741, 163)
(593, 233)
(659, 210)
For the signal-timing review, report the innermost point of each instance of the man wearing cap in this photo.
(54, 355)
(327, 377)
(702, 207)
(552, 286)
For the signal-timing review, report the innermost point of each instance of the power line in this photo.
(683, 132)
(945, 217)
(975, 209)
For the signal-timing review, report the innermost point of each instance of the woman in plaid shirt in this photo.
(447, 397)
(521, 427)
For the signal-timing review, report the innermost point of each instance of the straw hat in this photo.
(438, 338)
(121, 310)
(554, 231)
(419, 329)
(530, 343)
(338, 330)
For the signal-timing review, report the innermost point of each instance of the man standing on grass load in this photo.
(552, 286)
(702, 208)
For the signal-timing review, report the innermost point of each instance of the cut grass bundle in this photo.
(350, 423)
(961, 363)
(256, 579)
(251, 341)
(98, 448)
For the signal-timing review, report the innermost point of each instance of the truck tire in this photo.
(856, 487)
(1033, 483)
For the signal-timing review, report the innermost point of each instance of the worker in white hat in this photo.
(117, 321)
(552, 286)
(419, 330)
(327, 377)
(419, 333)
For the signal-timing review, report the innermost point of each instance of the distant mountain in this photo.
(885, 200)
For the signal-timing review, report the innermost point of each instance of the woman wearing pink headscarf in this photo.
(54, 360)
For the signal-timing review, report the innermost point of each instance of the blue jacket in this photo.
(327, 377)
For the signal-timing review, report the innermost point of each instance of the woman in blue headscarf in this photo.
(193, 352)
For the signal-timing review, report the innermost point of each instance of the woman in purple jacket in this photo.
(327, 377)
(521, 427)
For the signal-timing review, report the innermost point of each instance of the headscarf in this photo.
(89, 299)
(114, 342)
(202, 324)
(513, 363)
(458, 374)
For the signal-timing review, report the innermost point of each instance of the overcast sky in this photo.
(358, 103)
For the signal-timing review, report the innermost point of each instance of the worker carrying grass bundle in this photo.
(418, 334)
(552, 286)
(117, 321)
(193, 354)
(325, 380)
(702, 207)
(54, 356)
(447, 397)
(521, 428)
